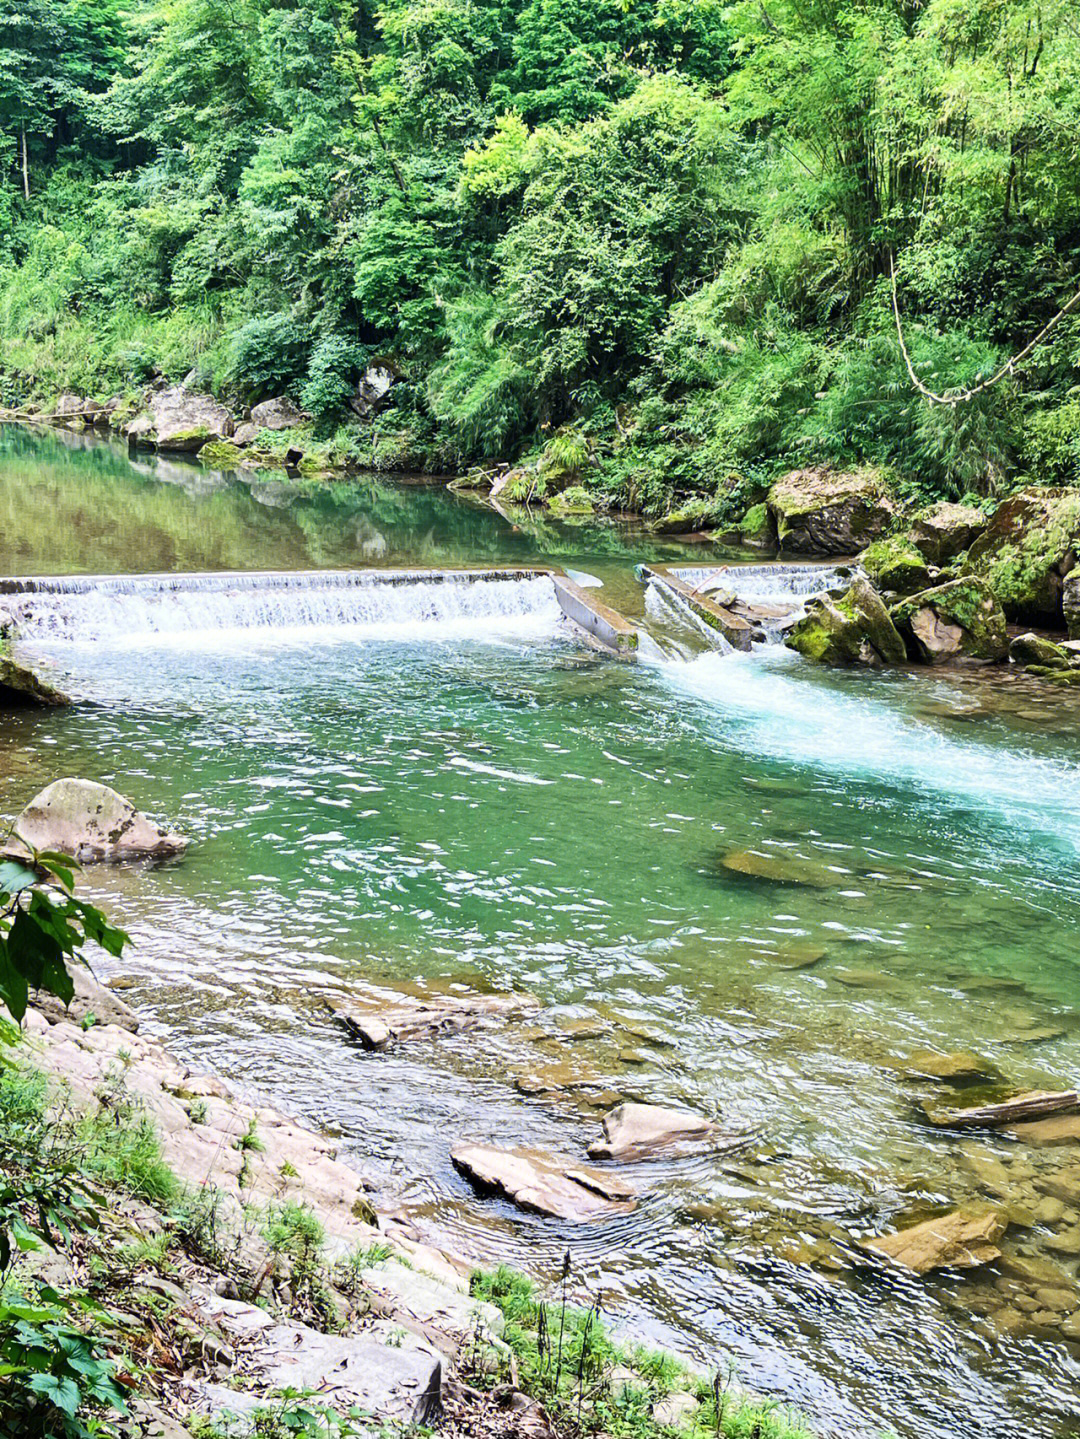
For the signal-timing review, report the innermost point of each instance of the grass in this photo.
(565, 1358)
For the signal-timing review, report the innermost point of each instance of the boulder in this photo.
(545, 1183)
(941, 532)
(184, 421)
(962, 1239)
(895, 564)
(21, 686)
(1070, 602)
(958, 620)
(372, 390)
(643, 1131)
(694, 516)
(855, 629)
(277, 414)
(92, 822)
(822, 512)
(91, 1001)
(1026, 552)
(72, 409)
(139, 431)
(244, 434)
(1031, 649)
(757, 529)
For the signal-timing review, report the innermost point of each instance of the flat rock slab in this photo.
(1034, 1104)
(90, 821)
(379, 1018)
(962, 1239)
(345, 1371)
(1059, 1129)
(960, 1067)
(443, 1315)
(649, 1131)
(778, 867)
(545, 1183)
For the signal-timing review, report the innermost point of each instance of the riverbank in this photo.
(241, 1276)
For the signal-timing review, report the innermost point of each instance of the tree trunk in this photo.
(25, 166)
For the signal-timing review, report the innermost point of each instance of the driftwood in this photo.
(1033, 1104)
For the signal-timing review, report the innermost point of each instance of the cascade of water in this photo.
(775, 584)
(131, 608)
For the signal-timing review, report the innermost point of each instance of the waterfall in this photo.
(158, 608)
(775, 584)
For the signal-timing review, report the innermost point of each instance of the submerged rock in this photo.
(1047, 1133)
(958, 620)
(644, 1131)
(185, 422)
(1032, 1104)
(895, 564)
(777, 867)
(1027, 550)
(380, 1017)
(960, 1067)
(941, 532)
(821, 512)
(21, 686)
(854, 629)
(962, 1239)
(545, 1183)
(92, 822)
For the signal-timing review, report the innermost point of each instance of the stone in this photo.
(184, 421)
(545, 1183)
(644, 1131)
(943, 531)
(675, 1411)
(854, 629)
(1064, 1185)
(757, 529)
(1031, 1104)
(960, 1067)
(1070, 602)
(1031, 649)
(958, 620)
(21, 687)
(91, 1001)
(1066, 1242)
(694, 516)
(895, 564)
(778, 867)
(372, 390)
(1047, 1133)
(220, 454)
(961, 1239)
(1026, 552)
(823, 512)
(92, 822)
(439, 1312)
(381, 1017)
(245, 434)
(140, 431)
(277, 414)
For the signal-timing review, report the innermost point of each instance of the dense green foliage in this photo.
(661, 233)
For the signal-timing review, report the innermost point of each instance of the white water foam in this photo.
(777, 584)
(221, 610)
(772, 704)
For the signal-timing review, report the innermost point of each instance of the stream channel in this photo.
(427, 793)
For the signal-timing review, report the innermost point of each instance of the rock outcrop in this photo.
(545, 1183)
(895, 564)
(958, 620)
(646, 1131)
(1027, 551)
(92, 822)
(822, 512)
(1031, 649)
(277, 414)
(854, 629)
(962, 1239)
(21, 686)
(1070, 602)
(941, 532)
(184, 421)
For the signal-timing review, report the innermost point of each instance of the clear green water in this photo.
(434, 806)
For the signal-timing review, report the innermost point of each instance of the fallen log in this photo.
(1033, 1104)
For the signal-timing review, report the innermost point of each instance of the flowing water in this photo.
(434, 783)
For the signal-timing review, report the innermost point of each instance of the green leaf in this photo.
(13, 987)
(15, 877)
(62, 1393)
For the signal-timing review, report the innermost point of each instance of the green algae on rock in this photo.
(854, 629)
(824, 512)
(894, 563)
(958, 620)
(943, 531)
(1027, 550)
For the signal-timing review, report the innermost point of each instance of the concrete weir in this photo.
(604, 624)
(737, 631)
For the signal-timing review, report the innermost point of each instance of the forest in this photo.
(653, 242)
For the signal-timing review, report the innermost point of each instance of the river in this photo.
(439, 797)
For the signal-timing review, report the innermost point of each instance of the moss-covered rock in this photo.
(699, 514)
(895, 564)
(1027, 550)
(1032, 649)
(221, 455)
(824, 512)
(21, 686)
(1070, 602)
(941, 532)
(757, 529)
(573, 501)
(958, 620)
(854, 629)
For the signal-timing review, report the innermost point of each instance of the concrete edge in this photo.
(600, 621)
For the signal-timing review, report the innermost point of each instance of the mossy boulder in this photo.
(21, 686)
(825, 512)
(574, 501)
(854, 629)
(695, 515)
(1032, 649)
(895, 564)
(941, 532)
(221, 455)
(1027, 551)
(1070, 602)
(958, 620)
(757, 529)
(185, 421)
